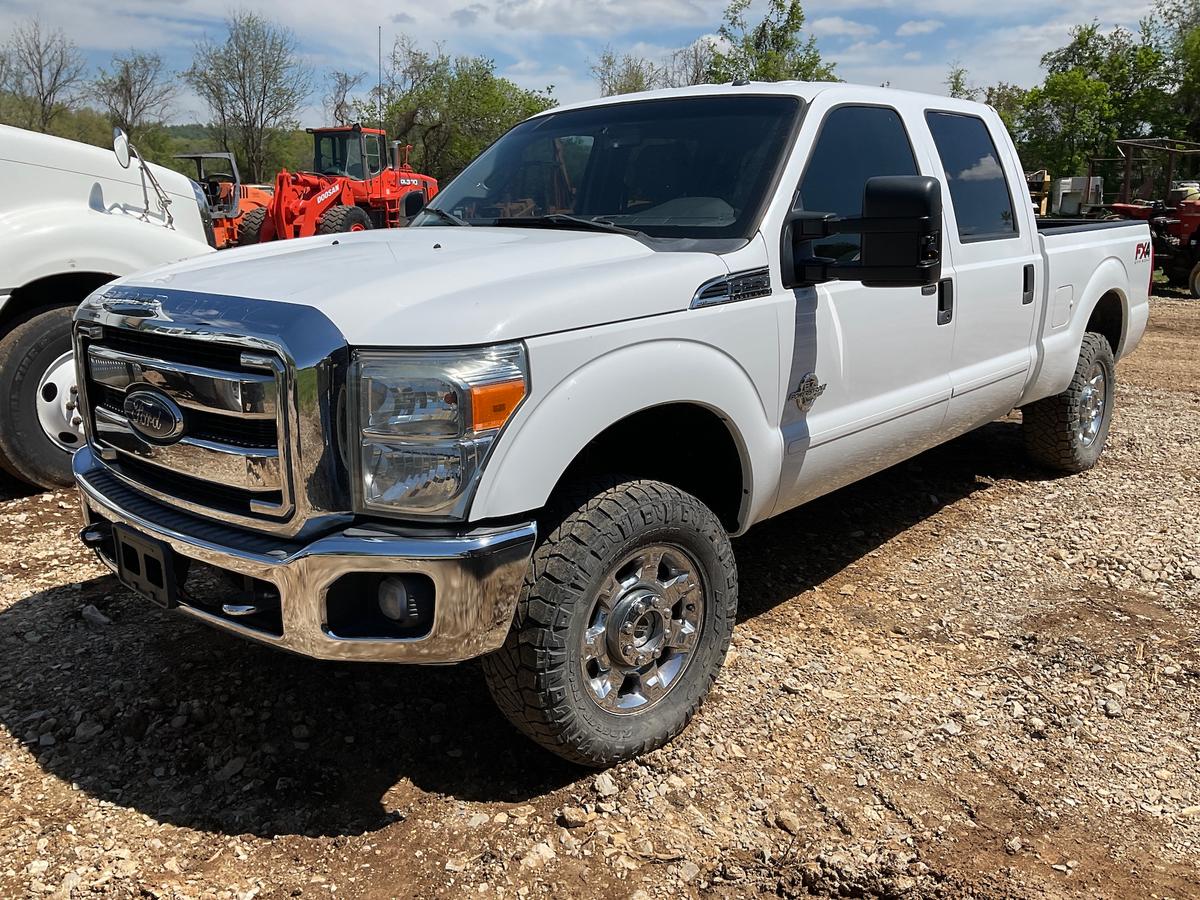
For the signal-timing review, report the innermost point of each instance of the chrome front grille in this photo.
(231, 459)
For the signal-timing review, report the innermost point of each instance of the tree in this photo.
(44, 71)
(1066, 121)
(957, 85)
(137, 93)
(689, 65)
(339, 106)
(254, 84)
(626, 74)
(449, 108)
(1009, 101)
(1132, 67)
(772, 50)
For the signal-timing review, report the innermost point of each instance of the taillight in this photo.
(1150, 287)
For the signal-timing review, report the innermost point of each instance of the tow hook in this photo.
(99, 537)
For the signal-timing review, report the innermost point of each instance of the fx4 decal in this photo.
(1142, 252)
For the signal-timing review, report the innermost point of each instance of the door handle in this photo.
(1027, 296)
(945, 304)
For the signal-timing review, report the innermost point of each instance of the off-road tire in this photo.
(1193, 282)
(39, 338)
(339, 219)
(1051, 426)
(537, 679)
(250, 229)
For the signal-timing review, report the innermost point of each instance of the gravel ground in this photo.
(958, 678)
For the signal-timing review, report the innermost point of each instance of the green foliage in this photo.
(1065, 121)
(449, 108)
(774, 49)
(957, 84)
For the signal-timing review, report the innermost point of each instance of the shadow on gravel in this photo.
(193, 727)
(790, 554)
(11, 489)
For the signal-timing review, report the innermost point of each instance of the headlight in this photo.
(426, 423)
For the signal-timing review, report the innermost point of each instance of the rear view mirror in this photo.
(414, 202)
(901, 228)
(121, 147)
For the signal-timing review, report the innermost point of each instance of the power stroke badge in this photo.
(807, 392)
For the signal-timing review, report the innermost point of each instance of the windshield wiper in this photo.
(448, 217)
(563, 220)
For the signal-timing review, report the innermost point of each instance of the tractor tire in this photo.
(250, 231)
(1193, 282)
(340, 219)
(622, 625)
(1067, 432)
(38, 435)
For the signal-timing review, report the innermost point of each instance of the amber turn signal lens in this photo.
(492, 404)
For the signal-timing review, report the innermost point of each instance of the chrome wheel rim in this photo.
(1091, 405)
(642, 628)
(57, 402)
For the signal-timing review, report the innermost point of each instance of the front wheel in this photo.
(623, 623)
(1068, 431)
(338, 219)
(41, 426)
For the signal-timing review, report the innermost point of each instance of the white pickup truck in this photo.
(527, 428)
(72, 217)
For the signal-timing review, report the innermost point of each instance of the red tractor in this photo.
(351, 187)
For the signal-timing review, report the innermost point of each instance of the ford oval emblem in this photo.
(154, 416)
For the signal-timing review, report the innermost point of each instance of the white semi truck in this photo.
(527, 428)
(72, 217)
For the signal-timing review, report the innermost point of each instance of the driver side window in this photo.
(855, 143)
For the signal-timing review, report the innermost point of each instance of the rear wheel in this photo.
(340, 219)
(41, 427)
(1068, 431)
(250, 229)
(622, 626)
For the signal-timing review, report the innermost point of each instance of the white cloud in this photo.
(912, 55)
(919, 26)
(836, 26)
(987, 169)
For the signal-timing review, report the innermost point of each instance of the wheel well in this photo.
(1108, 319)
(64, 289)
(682, 444)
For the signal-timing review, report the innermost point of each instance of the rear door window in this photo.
(979, 191)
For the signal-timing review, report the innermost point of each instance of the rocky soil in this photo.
(959, 678)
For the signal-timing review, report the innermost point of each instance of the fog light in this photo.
(396, 603)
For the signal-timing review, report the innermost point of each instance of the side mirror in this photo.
(414, 202)
(901, 228)
(121, 147)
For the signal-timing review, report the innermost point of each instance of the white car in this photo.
(527, 427)
(72, 217)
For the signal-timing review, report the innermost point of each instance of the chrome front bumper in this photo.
(476, 575)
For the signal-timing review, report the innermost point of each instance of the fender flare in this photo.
(549, 430)
(1110, 277)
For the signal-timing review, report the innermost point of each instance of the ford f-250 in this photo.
(527, 428)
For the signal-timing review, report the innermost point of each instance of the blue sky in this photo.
(910, 43)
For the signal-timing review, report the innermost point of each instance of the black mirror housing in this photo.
(901, 228)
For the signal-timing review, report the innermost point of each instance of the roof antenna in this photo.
(379, 82)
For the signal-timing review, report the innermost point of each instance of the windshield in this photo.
(682, 168)
(338, 153)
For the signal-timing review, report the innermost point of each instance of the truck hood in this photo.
(445, 286)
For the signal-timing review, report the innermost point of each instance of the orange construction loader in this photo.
(229, 200)
(355, 184)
